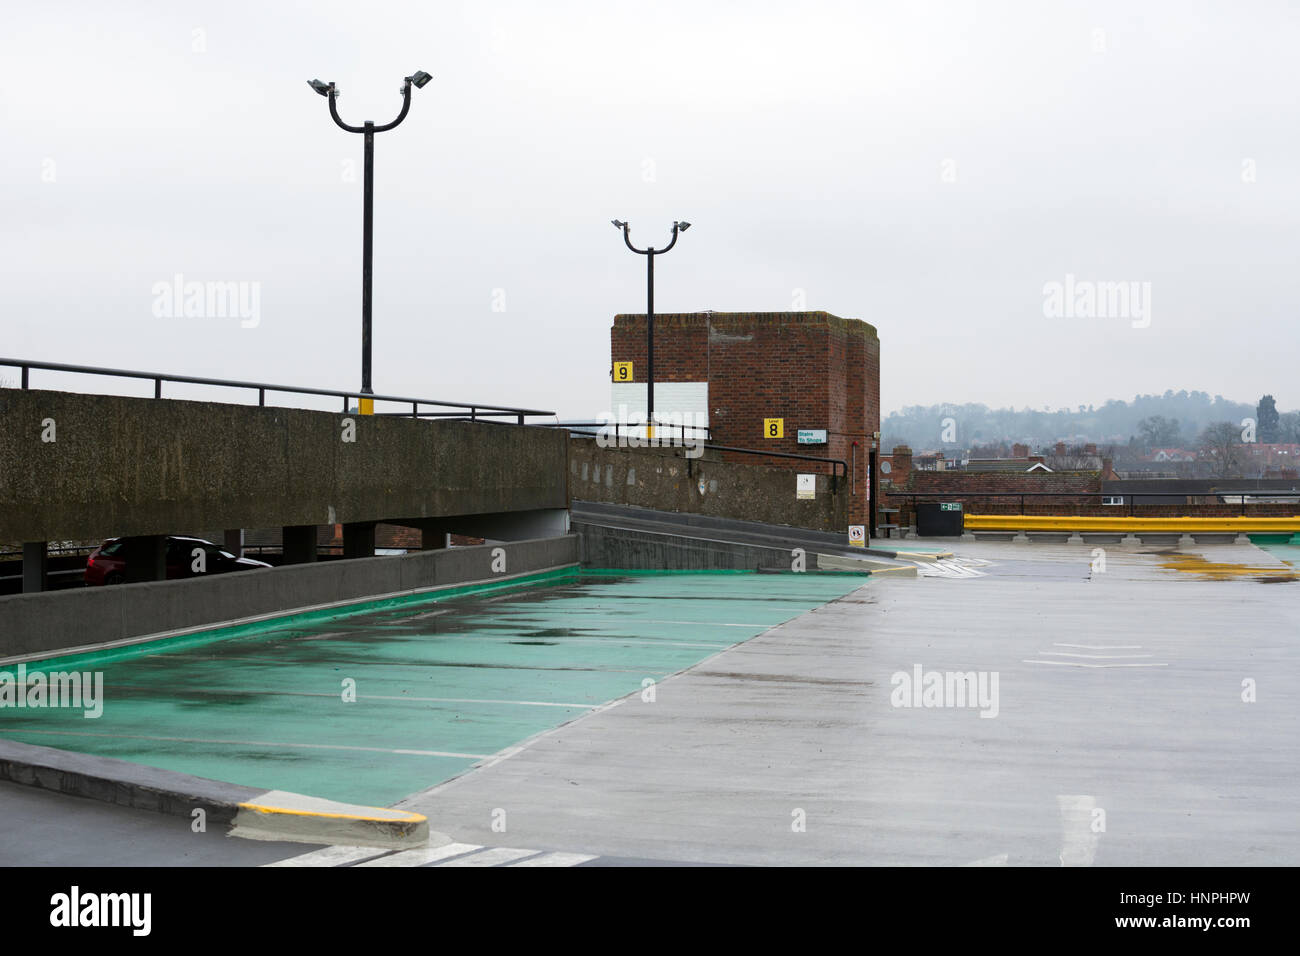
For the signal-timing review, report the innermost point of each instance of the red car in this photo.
(107, 563)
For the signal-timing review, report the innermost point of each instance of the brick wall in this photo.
(900, 466)
(813, 369)
(975, 490)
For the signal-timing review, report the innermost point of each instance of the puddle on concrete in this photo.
(1191, 563)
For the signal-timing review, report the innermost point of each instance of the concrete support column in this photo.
(146, 558)
(298, 543)
(359, 540)
(35, 566)
(433, 538)
(234, 541)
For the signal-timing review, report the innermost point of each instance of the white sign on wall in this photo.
(806, 487)
(676, 403)
(857, 536)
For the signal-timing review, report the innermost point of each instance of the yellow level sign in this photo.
(622, 371)
(774, 428)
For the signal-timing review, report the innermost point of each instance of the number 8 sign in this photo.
(774, 428)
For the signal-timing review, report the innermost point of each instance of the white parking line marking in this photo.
(1080, 664)
(332, 856)
(1102, 647)
(450, 854)
(259, 743)
(493, 857)
(424, 855)
(555, 859)
(1078, 838)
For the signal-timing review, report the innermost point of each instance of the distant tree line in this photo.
(1172, 420)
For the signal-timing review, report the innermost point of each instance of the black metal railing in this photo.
(836, 463)
(632, 429)
(467, 411)
(839, 467)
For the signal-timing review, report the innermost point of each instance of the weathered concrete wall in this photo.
(657, 478)
(54, 620)
(131, 466)
(622, 549)
(511, 526)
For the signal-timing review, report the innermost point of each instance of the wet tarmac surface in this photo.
(372, 707)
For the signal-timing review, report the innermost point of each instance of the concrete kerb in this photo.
(251, 812)
(835, 562)
(903, 554)
(457, 561)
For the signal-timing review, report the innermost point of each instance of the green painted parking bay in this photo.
(440, 684)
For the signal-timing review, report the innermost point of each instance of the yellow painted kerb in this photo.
(1123, 523)
(402, 816)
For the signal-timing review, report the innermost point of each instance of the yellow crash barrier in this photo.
(1120, 523)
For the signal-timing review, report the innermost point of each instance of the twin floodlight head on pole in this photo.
(650, 252)
(368, 129)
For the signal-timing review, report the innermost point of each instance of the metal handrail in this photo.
(762, 453)
(581, 428)
(785, 454)
(476, 409)
(1130, 495)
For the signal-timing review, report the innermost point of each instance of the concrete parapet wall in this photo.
(661, 479)
(133, 466)
(43, 623)
(619, 548)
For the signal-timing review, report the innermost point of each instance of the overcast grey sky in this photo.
(927, 167)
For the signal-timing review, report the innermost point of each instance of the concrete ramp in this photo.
(622, 536)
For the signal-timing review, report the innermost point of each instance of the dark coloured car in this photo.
(186, 558)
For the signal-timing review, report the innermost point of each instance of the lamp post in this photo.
(368, 129)
(650, 252)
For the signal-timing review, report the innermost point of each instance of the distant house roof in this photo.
(1197, 486)
(1006, 464)
(1069, 462)
(1170, 454)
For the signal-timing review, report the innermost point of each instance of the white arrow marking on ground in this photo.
(1102, 647)
(1078, 840)
(1081, 664)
